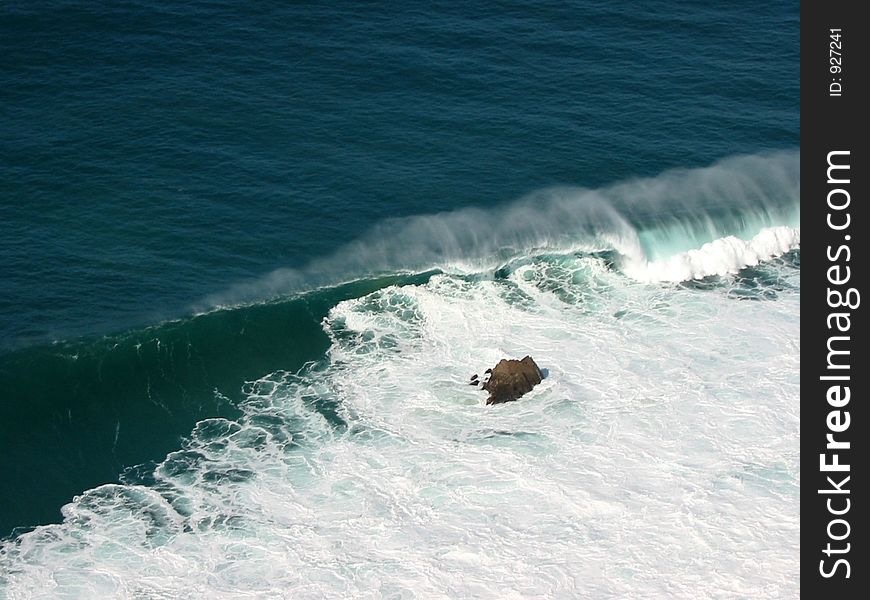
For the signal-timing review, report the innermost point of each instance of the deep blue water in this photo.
(153, 154)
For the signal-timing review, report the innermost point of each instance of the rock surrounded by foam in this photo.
(511, 379)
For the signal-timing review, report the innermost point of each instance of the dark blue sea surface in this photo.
(154, 154)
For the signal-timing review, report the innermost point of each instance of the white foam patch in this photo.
(724, 256)
(659, 458)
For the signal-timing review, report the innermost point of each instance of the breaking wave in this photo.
(658, 458)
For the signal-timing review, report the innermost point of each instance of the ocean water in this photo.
(250, 256)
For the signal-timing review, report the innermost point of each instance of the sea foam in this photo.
(628, 473)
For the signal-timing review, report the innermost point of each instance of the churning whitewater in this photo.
(658, 458)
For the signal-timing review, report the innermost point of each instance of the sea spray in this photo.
(642, 219)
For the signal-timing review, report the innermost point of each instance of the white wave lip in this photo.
(724, 256)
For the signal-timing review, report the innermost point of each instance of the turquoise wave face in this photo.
(76, 414)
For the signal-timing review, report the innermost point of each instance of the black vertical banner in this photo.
(834, 348)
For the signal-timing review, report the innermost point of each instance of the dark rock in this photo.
(510, 379)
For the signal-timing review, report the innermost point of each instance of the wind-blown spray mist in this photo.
(642, 219)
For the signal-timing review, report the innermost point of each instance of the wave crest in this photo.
(646, 220)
